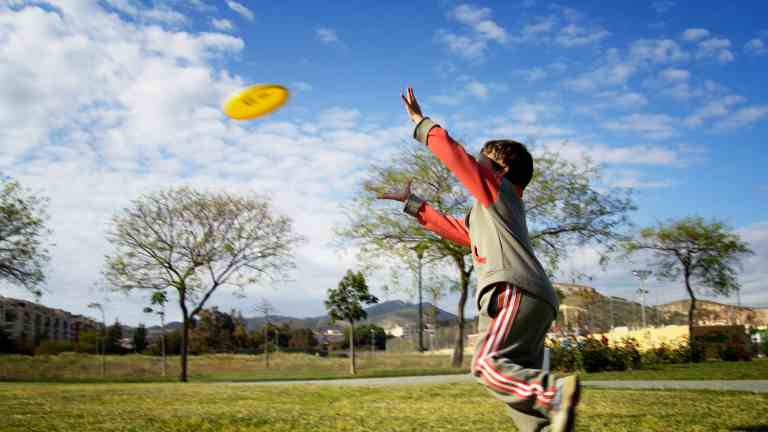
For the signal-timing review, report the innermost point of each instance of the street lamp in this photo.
(420, 248)
(642, 275)
(103, 329)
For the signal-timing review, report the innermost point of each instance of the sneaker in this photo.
(563, 414)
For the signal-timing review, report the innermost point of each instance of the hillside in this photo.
(586, 307)
(394, 311)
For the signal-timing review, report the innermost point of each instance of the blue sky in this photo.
(102, 101)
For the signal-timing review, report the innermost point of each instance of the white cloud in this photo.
(222, 24)
(756, 46)
(541, 25)
(482, 30)
(479, 19)
(657, 51)
(655, 126)
(636, 180)
(478, 89)
(339, 118)
(463, 46)
(573, 35)
(715, 48)
(241, 9)
(662, 6)
(743, 117)
(534, 74)
(675, 75)
(327, 35)
(695, 34)
(141, 12)
(443, 99)
(647, 154)
(608, 75)
(624, 99)
(716, 108)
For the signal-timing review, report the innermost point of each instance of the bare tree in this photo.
(194, 243)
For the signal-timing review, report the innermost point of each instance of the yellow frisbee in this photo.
(255, 101)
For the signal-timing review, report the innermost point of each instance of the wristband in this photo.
(413, 204)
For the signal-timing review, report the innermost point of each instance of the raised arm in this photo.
(480, 181)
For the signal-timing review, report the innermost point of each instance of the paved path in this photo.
(756, 386)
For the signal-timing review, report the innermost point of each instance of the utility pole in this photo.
(642, 275)
(103, 335)
(610, 299)
(265, 307)
(420, 248)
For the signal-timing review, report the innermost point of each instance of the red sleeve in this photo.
(481, 182)
(447, 227)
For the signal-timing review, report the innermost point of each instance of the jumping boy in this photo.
(515, 299)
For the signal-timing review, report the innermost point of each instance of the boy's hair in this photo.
(513, 156)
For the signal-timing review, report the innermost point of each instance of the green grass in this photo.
(757, 369)
(226, 367)
(456, 407)
(70, 367)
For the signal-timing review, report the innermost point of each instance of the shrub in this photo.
(50, 347)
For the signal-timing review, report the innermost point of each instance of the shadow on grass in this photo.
(753, 428)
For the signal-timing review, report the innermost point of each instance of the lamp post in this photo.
(103, 329)
(642, 275)
(373, 341)
(420, 248)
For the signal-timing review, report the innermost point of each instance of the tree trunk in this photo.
(691, 309)
(458, 350)
(352, 346)
(184, 343)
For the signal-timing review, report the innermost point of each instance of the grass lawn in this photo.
(757, 369)
(71, 367)
(203, 407)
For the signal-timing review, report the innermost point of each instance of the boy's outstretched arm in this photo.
(446, 227)
(481, 182)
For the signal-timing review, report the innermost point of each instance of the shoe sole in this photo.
(572, 395)
(571, 424)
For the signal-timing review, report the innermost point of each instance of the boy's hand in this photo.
(412, 106)
(398, 196)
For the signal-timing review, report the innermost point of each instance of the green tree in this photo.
(196, 242)
(112, 340)
(345, 303)
(23, 255)
(704, 254)
(213, 332)
(565, 205)
(302, 338)
(89, 342)
(140, 339)
(363, 336)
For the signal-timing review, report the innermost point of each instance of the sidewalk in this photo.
(755, 386)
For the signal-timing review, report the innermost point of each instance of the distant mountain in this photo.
(393, 311)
